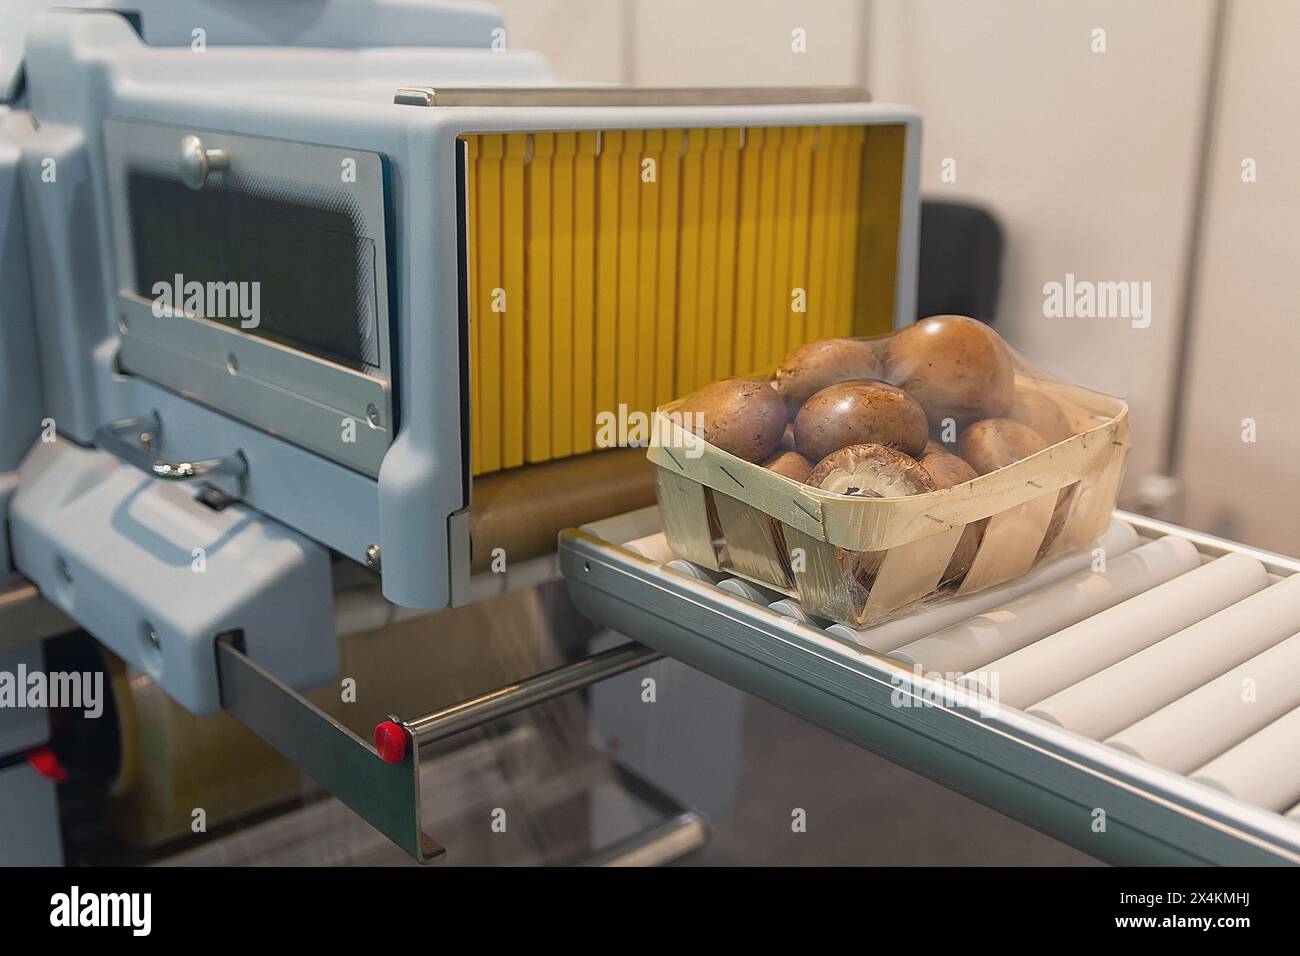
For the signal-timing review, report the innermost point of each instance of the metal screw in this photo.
(372, 415)
(372, 557)
(154, 640)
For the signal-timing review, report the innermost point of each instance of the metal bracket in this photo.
(383, 786)
(148, 429)
(630, 96)
(386, 795)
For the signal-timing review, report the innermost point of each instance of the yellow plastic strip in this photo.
(801, 217)
(647, 268)
(513, 237)
(688, 262)
(834, 230)
(782, 281)
(666, 322)
(491, 281)
(818, 249)
(724, 357)
(629, 226)
(766, 304)
(884, 160)
(566, 145)
(707, 290)
(537, 412)
(607, 273)
(584, 292)
(747, 251)
(472, 319)
(848, 248)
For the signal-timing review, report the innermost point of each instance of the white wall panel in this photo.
(1089, 160)
(1245, 361)
(584, 40)
(746, 42)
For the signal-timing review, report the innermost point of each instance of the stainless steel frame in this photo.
(283, 390)
(1042, 775)
(147, 430)
(387, 794)
(25, 616)
(631, 96)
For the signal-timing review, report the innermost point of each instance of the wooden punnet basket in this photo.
(857, 560)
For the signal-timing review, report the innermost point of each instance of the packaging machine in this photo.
(306, 324)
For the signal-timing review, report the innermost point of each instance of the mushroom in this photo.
(948, 470)
(812, 367)
(1042, 414)
(997, 442)
(789, 464)
(855, 413)
(994, 443)
(871, 470)
(744, 417)
(955, 366)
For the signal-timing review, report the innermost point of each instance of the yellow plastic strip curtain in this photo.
(724, 353)
(562, 299)
(628, 267)
(515, 299)
(648, 269)
(474, 319)
(584, 291)
(487, 296)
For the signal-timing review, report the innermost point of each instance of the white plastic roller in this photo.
(1263, 768)
(1118, 539)
(1195, 728)
(1126, 692)
(1001, 630)
(1067, 657)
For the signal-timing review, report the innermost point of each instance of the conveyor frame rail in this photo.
(1105, 803)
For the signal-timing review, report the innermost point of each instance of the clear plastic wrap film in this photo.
(865, 476)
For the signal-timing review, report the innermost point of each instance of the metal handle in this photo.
(197, 161)
(148, 431)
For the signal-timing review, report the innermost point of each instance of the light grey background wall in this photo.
(1096, 156)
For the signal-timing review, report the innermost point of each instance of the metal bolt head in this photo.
(197, 161)
(372, 557)
(154, 640)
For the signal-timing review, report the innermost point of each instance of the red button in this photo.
(390, 741)
(44, 761)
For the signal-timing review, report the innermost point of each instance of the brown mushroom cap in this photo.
(856, 413)
(742, 416)
(994, 443)
(955, 366)
(812, 367)
(948, 470)
(791, 464)
(1042, 414)
(872, 471)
